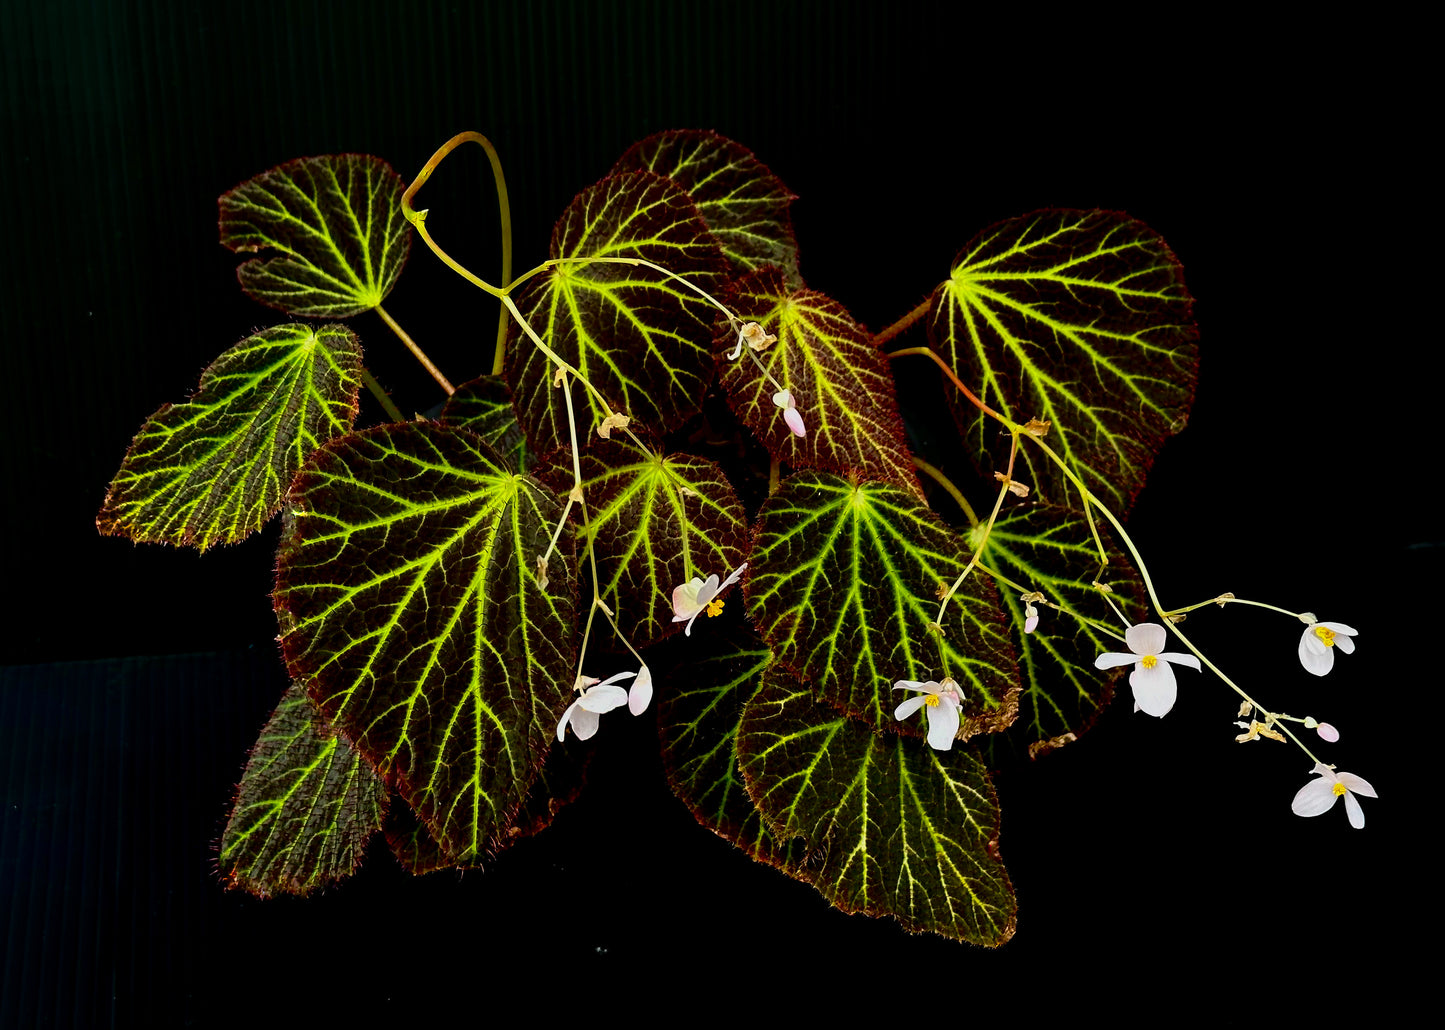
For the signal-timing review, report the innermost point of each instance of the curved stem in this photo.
(418, 218)
(947, 484)
(416, 351)
(903, 323)
(384, 398)
(928, 352)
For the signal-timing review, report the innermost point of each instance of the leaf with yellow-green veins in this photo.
(1081, 319)
(897, 828)
(484, 405)
(337, 226)
(741, 200)
(411, 606)
(641, 338)
(701, 698)
(215, 468)
(1050, 550)
(655, 523)
(306, 807)
(839, 380)
(844, 581)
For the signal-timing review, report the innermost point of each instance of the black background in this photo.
(1156, 862)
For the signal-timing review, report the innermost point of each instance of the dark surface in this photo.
(1156, 863)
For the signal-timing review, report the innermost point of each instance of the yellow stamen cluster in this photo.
(931, 700)
(1339, 789)
(1149, 661)
(714, 608)
(1327, 636)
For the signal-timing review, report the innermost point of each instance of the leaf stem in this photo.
(903, 323)
(416, 351)
(987, 529)
(947, 484)
(392, 411)
(928, 352)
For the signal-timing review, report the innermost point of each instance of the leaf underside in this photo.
(337, 224)
(305, 809)
(642, 339)
(843, 583)
(1050, 550)
(214, 469)
(410, 604)
(698, 719)
(743, 203)
(839, 380)
(1080, 318)
(898, 828)
(656, 522)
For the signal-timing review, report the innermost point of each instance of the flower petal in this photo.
(601, 698)
(684, 600)
(562, 722)
(1315, 798)
(1175, 658)
(909, 706)
(794, 418)
(1146, 638)
(1031, 623)
(929, 687)
(942, 726)
(640, 695)
(707, 591)
(1357, 784)
(1329, 733)
(1357, 814)
(1155, 689)
(1344, 643)
(1114, 659)
(584, 724)
(1317, 663)
(1341, 629)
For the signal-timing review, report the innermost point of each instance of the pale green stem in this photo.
(416, 351)
(947, 484)
(987, 529)
(392, 411)
(1222, 600)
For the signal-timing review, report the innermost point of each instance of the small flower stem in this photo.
(1102, 627)
(774, 476)
(938, 477)
(883, 336)
(1221, 600)
(392, 411)
(416, 351)
(987, 529)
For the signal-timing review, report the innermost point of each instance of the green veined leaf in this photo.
(1050, 550)
(484, 405)
(844, 581)
(1080, 318)
(656, 523)
(839, 380)
(640, 338)
(901, 829)
(743, 203)
(337, 223)
(418, 620)
(412, 844)
(214, 469)
(698, 718)
(306, 807)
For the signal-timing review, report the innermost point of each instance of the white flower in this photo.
(639, 696)
(595, 700)
(941, 700)
(697, 596)
(1319, 796)
(1317, 646)
(791, 415)
(1152, 679)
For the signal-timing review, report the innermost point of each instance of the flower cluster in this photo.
(602, 696)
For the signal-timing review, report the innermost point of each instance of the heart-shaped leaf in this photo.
(699, 711)
(214, 469)
(1050, 550)
(839, 380)
(1079, 318)
(844, 582)
(743, 203)
(639, 337)
(416, 617)
(656, 522)
(306, 807)
(903, 830)
(337, 223)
